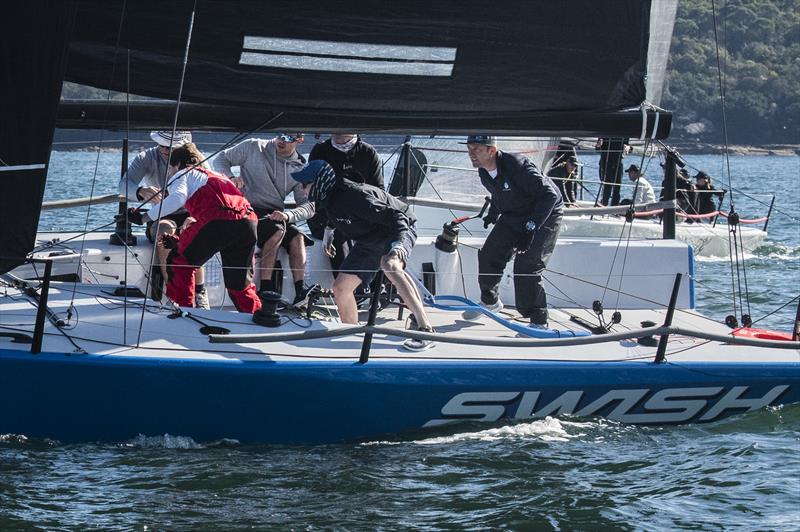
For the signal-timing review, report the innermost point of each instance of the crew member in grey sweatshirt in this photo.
(265, 168)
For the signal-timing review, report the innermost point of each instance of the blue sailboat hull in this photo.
(79, 398)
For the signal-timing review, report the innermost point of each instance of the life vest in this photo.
(218, 199)
(762, 334)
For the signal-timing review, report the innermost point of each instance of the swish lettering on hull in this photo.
(670, 405)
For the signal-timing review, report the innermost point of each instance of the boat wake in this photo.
(770, 251)
(548, 429)
(168, 441)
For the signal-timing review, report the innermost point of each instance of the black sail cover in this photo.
(33, 52)
(452, 65)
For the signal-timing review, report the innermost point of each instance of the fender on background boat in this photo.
(762, 334)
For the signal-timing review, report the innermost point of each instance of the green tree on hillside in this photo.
(759, 44)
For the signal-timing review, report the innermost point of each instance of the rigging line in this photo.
(744, 274)
(634, 296)
(384, 162)
(733, 276)
(721, 82)
(765, 204)
(795, 298)
(164, 181)
(732, 233)
(630, 228)
(105, 118)
(566, 296)
(625, 224)
(235, 139)
(127, 185)
(425, 178)
(60, 243)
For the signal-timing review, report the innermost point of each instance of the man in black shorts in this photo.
(383, 232)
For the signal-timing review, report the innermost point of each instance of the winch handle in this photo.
(487, 200)
(486, 203)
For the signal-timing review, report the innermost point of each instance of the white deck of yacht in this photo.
(97, 327)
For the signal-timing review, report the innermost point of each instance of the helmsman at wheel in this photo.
(526, 210)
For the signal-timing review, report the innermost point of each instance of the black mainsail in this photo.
(415, 67)
(33, 56)
(516, 68)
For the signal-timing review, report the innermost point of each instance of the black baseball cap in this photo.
(487, 140)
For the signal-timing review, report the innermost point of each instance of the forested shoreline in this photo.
(759, 44)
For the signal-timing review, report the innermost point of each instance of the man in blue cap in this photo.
(526, 208)
(383, 232)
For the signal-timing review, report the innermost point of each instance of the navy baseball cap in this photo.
(309, 173)
(487, 140)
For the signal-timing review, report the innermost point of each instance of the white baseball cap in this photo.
(163, 138)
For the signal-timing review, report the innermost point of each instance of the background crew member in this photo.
(643, 190)
(527, 208)
(265, 168)
(220, 221)
(565, 176)
(612, 151)
(705, 192)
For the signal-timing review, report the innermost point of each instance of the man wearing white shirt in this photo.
(642, 191)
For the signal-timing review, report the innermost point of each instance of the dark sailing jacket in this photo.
(565, 181)
(705, 202)
(361, 164)
(684, 194)
(520, 192)
(361, 211)
(361, 160)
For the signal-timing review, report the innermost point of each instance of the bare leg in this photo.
(297, 258)
(165, 227)
(268, 255)
(395, 271)
(343, 288)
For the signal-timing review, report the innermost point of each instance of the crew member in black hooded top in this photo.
(350, 157)
(527, 209)
(382, 229)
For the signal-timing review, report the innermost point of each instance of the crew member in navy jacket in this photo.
(526, 208)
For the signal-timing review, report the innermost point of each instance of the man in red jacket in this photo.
(220, 220)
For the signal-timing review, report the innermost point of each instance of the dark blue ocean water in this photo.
(742, 473)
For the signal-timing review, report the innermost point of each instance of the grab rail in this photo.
(578, 211)
(498, 342)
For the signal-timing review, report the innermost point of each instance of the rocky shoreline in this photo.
(701, 148)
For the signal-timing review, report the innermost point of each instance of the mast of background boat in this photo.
(769, 213)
